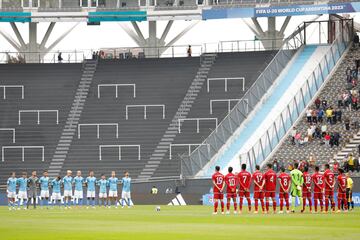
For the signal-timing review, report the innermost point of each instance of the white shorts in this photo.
(78, 194)
(44, 194)
(67, 193)
(11, 194)
(113, 193)
(56, 196)
(90, 194)
(102, 195)
(125, 195)
(22, 195)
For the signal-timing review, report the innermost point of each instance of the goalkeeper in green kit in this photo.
(297, 181)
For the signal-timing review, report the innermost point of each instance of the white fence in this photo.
(119, 147)
(189, 145)
(197, 122)
(117, 86)
(145, 106)
(38, 114)
(10, 129)
(12, 86)
(229, 103)
(242, 79)
(98, 128)
(22, 151)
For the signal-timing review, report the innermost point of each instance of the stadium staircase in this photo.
(207, 60)
(72, 121)
(337, 84)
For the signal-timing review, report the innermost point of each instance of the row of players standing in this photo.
(298, 184)
(27, 189)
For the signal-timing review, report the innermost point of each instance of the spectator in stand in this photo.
(348, 74)
(340, 100)
(350, 163)
(324, 104)
(323, 129)
(356, 40)
(354, 102)
(336, 139)
(338, 115)
(327, 138)
(314, 116)
(309, 115)
(317, 103)
(334, 118)
(298, 138)
(347, 124)
(293, 134)
(310, 133)
(60, 57)
(189, 51)
(320, 115)
(318, 133)
(329, 113)
(356, 165)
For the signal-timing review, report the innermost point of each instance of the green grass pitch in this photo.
(172, 222)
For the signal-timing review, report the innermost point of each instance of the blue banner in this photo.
(117, 16)
(15, 16)
(292, 10)
(208, 199)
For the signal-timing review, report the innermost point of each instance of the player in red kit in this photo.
(341, 179)
(231, 183)
(329, 178)
(259, 183)
(219, 184)
(244, 178)
(318, 180)
(270, 187)
(306, 189)
(284, 181)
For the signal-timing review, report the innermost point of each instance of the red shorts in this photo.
(258, 195)
(329, 193)
(318, 195)
(230, 195)
(218, 195)
(244, 194)
(269, 194)
(283, 195)
(306, 194)
(341, 195)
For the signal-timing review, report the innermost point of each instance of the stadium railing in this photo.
(190, 165)
(78, 56)
(261, 150)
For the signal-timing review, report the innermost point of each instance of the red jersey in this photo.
(318, 180)
(231, 183)
(258, 180)
(244, 178)
(284, 180)
(341, 183)
(329, 177)
(307, 182)
(270, 181)
(218, 179)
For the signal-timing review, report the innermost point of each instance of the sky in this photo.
(110, 34)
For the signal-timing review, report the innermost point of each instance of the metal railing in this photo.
(217, 139)
(175, 51)
(202, 155)
(267, 142)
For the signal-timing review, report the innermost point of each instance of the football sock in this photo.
(235, 204)
(293, 203)
(339, 204)
(241, 203)
(222, 206)
(228, 204)
(256, 205)
(216, 205)
(267, 205)
(281, 204)
(262, 205)
(24, 202)
(129, 201)
(287, 204)
(304, 204)
(310, 203)
(274, 205)
(315, 204)
(249, 204)
(326, 204)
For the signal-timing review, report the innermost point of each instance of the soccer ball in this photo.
(158, 208)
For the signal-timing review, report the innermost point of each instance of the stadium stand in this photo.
(169, 82)
(337, 85)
